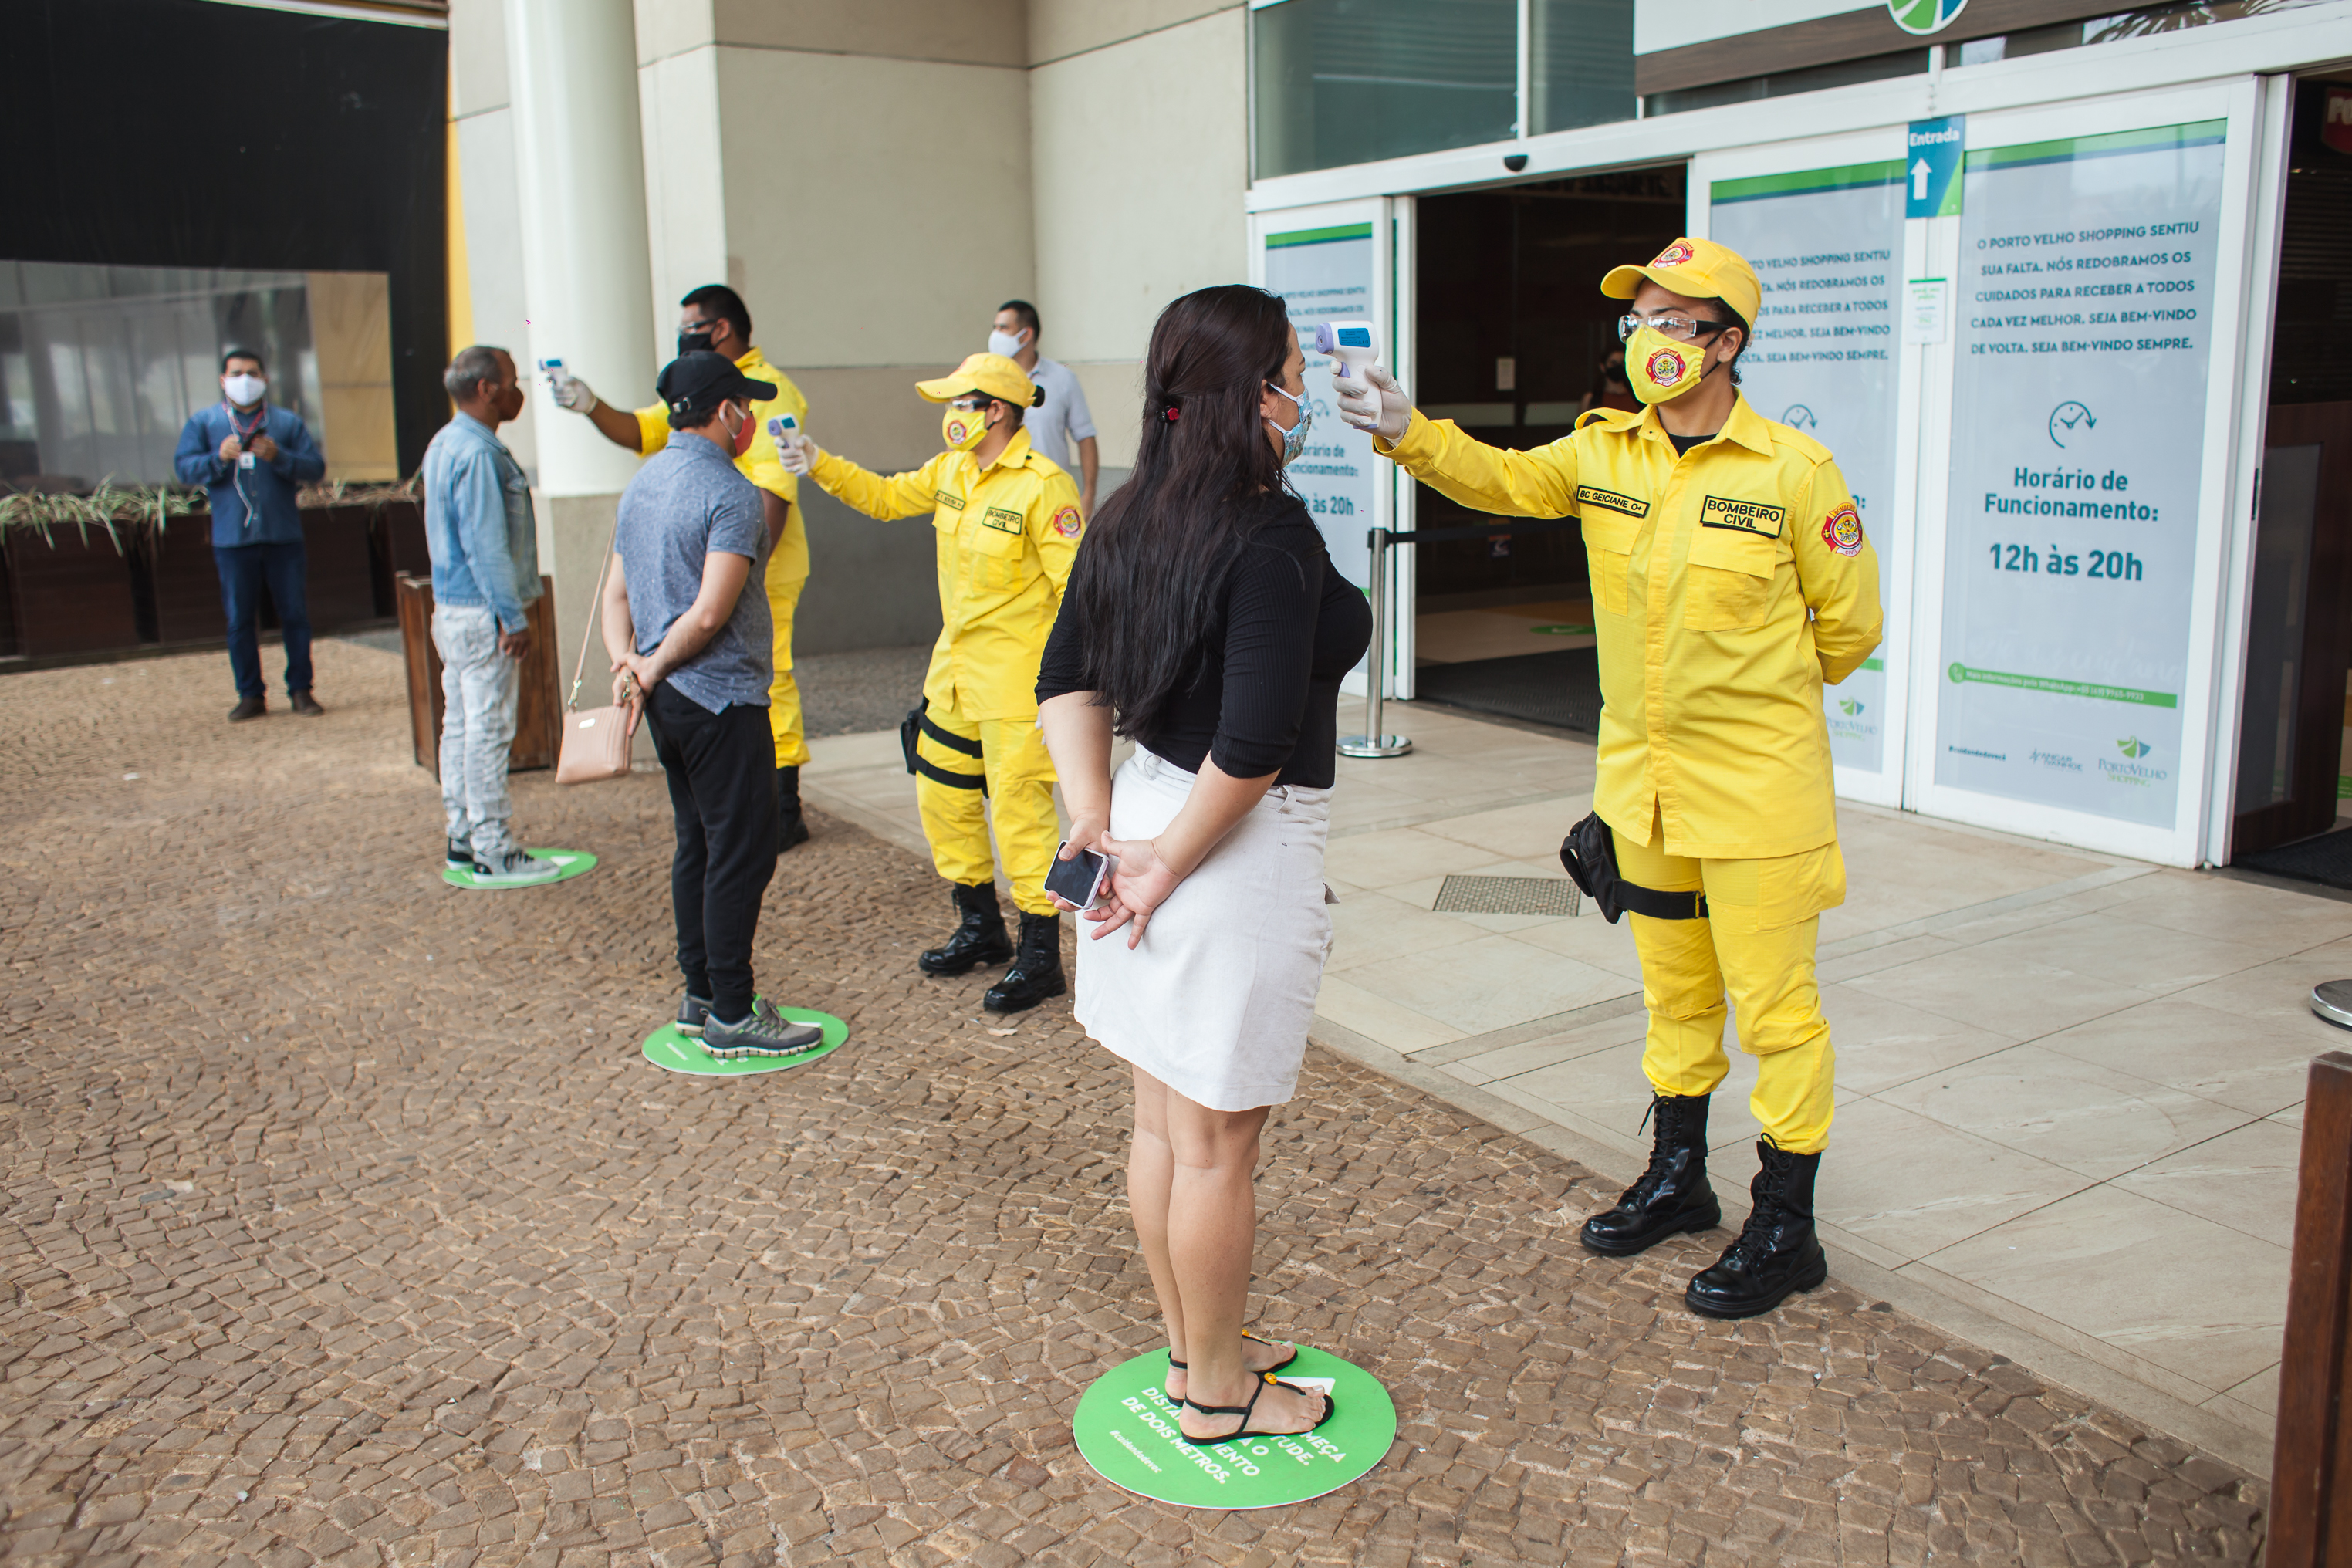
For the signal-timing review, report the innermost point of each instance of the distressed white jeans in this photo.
(479, 689)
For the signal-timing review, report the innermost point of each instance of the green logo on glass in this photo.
(1924, 16)
(2133, 746)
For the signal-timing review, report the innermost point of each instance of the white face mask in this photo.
(244, 390)
(1005, 343)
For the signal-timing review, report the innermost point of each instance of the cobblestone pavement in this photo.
(343, 1223)
(871, 688)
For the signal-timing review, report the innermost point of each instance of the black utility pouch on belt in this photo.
(914, 727)
(1590, 854)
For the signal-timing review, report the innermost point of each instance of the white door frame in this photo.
(2181, 842)
(1892, 532)
(1378, 213)
(2256, 324)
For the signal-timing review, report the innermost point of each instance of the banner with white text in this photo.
(1827, 246)
(2085, 317)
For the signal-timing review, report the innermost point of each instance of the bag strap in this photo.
(596, 612)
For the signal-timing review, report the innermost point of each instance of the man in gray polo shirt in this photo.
(691, 653)
(1061, 422)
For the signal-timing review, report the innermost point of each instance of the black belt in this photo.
(1590, 854)
(918, 723)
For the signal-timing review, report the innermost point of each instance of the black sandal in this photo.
(1277, 1366)
(1265, 1381)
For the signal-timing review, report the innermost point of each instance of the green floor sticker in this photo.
(674, 1052)
(1126, 1429)
(575, 863)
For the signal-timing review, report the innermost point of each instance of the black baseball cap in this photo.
(693, 384)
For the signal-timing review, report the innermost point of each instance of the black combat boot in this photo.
(791, 829)
(1036, 973)
(1777, 1251)
(1673, 1194)
(980, 936)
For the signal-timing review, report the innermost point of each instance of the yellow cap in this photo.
(991, 374)
(1699, 268)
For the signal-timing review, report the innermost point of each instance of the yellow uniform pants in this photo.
(783, 692)
(1012, 756)
(1756, 946)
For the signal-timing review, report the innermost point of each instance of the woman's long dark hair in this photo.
(1151, 573)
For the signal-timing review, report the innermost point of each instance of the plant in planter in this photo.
(70, 583)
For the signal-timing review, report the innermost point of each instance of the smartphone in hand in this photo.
(1080, 880)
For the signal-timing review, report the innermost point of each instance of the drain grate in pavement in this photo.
(1508, 896)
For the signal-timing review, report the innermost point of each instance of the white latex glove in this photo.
(569, 391)
(797, 452)
(1382, 407)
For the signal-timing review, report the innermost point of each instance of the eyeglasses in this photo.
(970, 404)
(1672, 323)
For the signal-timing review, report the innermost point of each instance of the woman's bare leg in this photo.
(1151, 1164)
(1151, 1167)
(1210, 1235)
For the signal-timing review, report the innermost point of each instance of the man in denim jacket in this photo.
(485, 544)
(254, 458)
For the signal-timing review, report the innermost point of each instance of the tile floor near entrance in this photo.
(2069, 1085)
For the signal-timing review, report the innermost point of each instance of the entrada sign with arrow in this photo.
(1935, 150)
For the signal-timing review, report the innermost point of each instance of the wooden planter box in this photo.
(339, 559)
(401, 525)
(71, 594)
(185, 583)
(538, 712)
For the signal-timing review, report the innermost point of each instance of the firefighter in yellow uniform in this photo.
(713, 318)
(1730, 581)
(1007, 524)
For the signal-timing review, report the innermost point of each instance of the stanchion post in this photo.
(1373, 742)
(2311, 1473)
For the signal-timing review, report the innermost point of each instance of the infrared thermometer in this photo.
(780, 426)
(1353, 345)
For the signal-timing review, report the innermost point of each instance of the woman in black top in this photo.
(1205, 620)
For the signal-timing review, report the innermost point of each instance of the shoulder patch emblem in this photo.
(1745, 515)
(949, 499)
(1002, 519)
(1593, 495)
(1067, 523)
(1841, 532)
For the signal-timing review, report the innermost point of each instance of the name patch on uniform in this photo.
(1746, 515)
(999, 518)
(1593, 495)
(949, 499)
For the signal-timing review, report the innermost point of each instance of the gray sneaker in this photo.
(513, 869)
(693, 1016)
(766, 1033)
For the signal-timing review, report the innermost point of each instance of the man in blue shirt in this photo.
(485, 546)
(254, 458)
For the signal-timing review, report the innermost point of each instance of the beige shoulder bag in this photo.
(596, 742)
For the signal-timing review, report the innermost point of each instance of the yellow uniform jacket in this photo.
(1007, 535)
(789, 563)
(1728, 584)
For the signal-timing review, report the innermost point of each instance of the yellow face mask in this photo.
(962, 428)
(1660, 368)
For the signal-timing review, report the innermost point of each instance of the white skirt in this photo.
(1216, 1001)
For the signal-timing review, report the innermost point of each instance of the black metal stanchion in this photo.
(1373, 742)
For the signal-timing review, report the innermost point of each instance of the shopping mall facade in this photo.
(2065, 289)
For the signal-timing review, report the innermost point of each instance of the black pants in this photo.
(722, 787)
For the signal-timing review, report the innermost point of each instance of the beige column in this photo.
(587, 288)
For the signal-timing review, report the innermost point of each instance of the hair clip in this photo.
(1172, 414)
